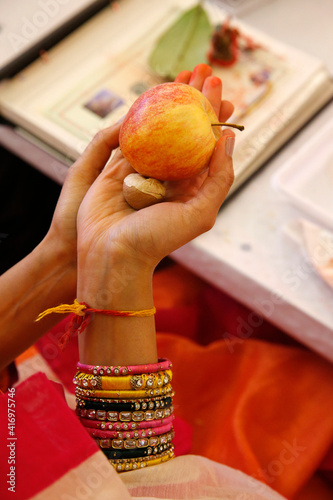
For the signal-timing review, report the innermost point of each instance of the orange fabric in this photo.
(254, 398)
(176, 298)
(26, 354)
(258, 406)
(251, 410)
(191, 307)
(175, 286)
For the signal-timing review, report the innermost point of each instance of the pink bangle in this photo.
(163, 364)
(127, 416)
(141, 442)
(156, 431)
(124, 426)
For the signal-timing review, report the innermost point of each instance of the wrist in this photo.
(114, 340)
(116, 282)
(61, 254)
(52, 254)
(119, 284)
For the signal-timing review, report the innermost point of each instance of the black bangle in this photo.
(135, 453)
(144, 405)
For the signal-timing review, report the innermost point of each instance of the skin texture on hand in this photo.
(108, 225)
(118, 247)
(80, 177)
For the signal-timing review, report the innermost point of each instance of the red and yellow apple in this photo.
(167, 133)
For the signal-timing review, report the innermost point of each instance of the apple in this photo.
(168, 134)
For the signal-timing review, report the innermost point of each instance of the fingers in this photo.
(199, 74)
(212, 89)
(116, 169)
(95, 156)
(183, 77)
(204, 207)
(226, 110)
(105, 195)
(211, 86)
(220, 166)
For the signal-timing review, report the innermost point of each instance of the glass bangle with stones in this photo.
(135, 452)
(124, 426)
(144, 404)
(147, 432)
(124, 416)
(131, 443)
(123, 394)
(162, 364)
(135, 382)
(124, 465)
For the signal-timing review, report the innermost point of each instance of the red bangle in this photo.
(162, 364)
(124, 426)
(134, 443)
(149, 432)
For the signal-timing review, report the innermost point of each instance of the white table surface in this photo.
(247, 253)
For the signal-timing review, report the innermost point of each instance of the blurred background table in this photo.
(247, 254)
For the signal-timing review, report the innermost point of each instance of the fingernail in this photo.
(215, 81)
(229, 146)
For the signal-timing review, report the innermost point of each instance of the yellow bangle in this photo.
(130, 382)
(125, 465)
(87, 393)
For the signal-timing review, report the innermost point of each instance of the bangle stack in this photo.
(128, 411)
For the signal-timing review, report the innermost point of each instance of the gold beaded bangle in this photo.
(84, 405)
(127, 416)
(86, 393)
(131, 382)
(130, 443)
(125, 465)
(115, 454)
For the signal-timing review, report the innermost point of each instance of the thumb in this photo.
(94, 158)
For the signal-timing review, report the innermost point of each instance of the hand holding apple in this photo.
(167, 135)
(112, 234)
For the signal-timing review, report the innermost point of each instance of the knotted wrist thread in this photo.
(81, 316)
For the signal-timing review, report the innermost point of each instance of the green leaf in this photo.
(183, 45)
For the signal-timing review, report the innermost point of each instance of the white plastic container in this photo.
(307, 178)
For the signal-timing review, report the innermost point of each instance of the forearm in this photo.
(41, 280)
(110, 340)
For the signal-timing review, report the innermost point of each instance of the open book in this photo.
(90, 79)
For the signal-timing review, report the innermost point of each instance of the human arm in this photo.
(119, 248)
(48, 275)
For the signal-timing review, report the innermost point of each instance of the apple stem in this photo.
(239, 127)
